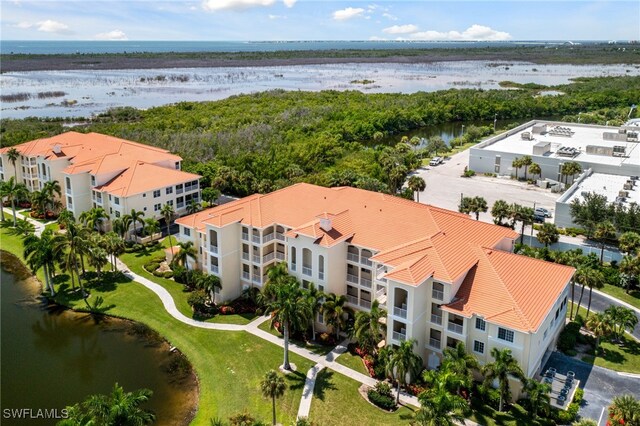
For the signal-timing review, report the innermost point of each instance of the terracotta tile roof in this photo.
(341, 229)
(142, 177)
(509, 289)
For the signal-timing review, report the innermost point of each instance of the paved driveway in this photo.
(600, 385)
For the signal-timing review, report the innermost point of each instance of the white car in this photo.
(435, 161)
(542, 212)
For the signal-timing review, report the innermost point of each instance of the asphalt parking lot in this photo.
(600, 385)
(445, 184)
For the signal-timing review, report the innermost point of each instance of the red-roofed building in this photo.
(442, 276)
(96, 170)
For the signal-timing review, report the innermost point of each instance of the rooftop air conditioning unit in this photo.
(624, 194)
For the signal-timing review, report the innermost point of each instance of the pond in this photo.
(53, 357)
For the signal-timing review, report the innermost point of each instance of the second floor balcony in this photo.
(435, 343)
(246, 276)
(399, 336)
(400, 312)
(213, 249)
(455, 327)
(436, 319)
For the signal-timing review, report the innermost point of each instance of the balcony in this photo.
(365, 282)
(67, 191)
(213, 249)
(179, 190)
(245, 236)
(256, 279)
(246, 276)
(280, 237)
(456, 328)
(437, 294)
(352, 299)
(279, 256)
(321, 275)
(436, 319)
(365, 304)
(306, 270)
(246, 256)
(366, 261)
(268, 237)
(434, 343)
(353, 257)
(399, 312)
(215, 269)
(256, 258)
(293, 266)
(381, 292)
(399, 336)
(269, 257)
(352, 278)
(256, 239)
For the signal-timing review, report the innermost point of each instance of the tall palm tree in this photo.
(114, 245)
(38, 202)
(402, 362)
(603, 232)
(535, 169)
(622, 319)
(15, 191)
(417, 185)
(126, 222)
(315, 299)
(12, 155)
(66, 218)
(438, 406)
(500, 211)
(475, 205)
(193, 207)
(334, 310)
(516, 164)
(503, 366)
(168, 213)
(187, 251)
(137, 217)
(209, 283)
(68, 246)
(4, 192)
(525, 162)
(273, 386)
(460, 362)
(93, 218)
(117, 408)
(369, 329)
(151, 226)
(289, 308)
(39, 253)
(50, 189)
(548, 234)
(600, 325)
(592, 278)
(521, 214)
(538, 394)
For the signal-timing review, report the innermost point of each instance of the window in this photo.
(320, 317)
(169, 190)
(177, 165)
(116, 201)
(156, 193)
(117, 213)
(480, 324)
(144, 209)
(68, 183)
(478, 347)
(506, 335)
(557, 313)
(187, 232)
(157, 207)
(93, 180)
(144, 195)
(69, 201)
(545, 334)
(170, 202)
(110, 210)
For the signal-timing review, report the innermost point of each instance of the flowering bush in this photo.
(227, 310)
(360, 351)
(415, 389)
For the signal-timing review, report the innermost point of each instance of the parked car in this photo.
(542, 211)
(538, 218)
(435, 161)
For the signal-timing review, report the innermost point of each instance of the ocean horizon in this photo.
(40, 47)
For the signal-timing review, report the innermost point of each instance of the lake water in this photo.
(90, 92)
(52, 358)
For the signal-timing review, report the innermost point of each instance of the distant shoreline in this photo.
(575, 55)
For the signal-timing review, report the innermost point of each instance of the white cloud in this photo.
(217, 5)
(401, 29)
(376, 38)
(390, 16)
(274, 17)
(473, 33)
(23, 25)
(348, 13)
(50, 26)
(112, 35)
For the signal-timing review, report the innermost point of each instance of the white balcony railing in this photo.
(268, 237)
(352, 299)
(436, 319)
(269, 257)
(245, 236)
(67, 191)
(256, 239)
(256, 259)
(437, 294)
(456, 328)
(381, 292)
(256, 279)
(213, 249)
(246, 256)
(293, 266)
(366, 282)
(366, 261)
(399, 312)
(246, 276)
(434, 343)
(365, 304)
(215, 269)
(279, 256)
(306, 270)
(352, 278)
(399, 336)
(353, 257)
(280, 236)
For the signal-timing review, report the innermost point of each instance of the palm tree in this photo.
(168, 213)
(114, 245)
(417, 185)
(24, 228)
(525, 162)
(474, 205)
(535, 169)
(12, 155)
(137, 217)
(369, 329)
(66, 218)
(39, 253)
(622, 319)
(501, 210)
(523, 215)
(571, 168)
(625, 409)
(117, 408)
(629, 267)
(459, 362)
(38, 202)
(15, 191)
(93, 218)
(516, 164)
(187, 251)
(126, 220)
(604, 231)
(629, 242)
(193, 207)
(438, 406)
(334, 310)
(315, 298)
(402, 362)
(209, 283)
(3, 194)
(503, 367)
(273, 386)
(151, 226)
(50, 188)
(289, 308)
(277, 274)
(593, 278)
(538, 394)
(548, 234)
(600, 325)
(68, 246)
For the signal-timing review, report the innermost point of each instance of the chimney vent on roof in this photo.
(325, 224)
(57, 149)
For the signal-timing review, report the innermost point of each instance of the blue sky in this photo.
(318, 20)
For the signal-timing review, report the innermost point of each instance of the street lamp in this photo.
(495, 119)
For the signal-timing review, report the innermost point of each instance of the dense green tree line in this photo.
(264, 141)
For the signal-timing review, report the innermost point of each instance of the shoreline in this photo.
(15, 266)
(583, 55)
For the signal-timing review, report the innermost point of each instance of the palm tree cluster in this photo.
(475, 205)
(625, 410)
(505, 214)
(613, 322)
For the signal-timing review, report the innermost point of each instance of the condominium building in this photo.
(442, 276)
(96, 170)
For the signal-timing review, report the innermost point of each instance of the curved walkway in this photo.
(39, 226)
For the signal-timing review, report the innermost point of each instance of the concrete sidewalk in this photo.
(39, 227)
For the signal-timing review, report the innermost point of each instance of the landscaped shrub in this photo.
(326, 338)
(382, 397)
(158, 274)
(468, 173)
(168, 274)
(578, 396)
(571, 352)
(179, 273)
(227, 310)
(568, 337)
(151, 266)
(197, 300)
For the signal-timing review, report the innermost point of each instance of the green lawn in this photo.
(336, 401)
(229, 365)
(136, 261)
(352, 361)
(632, 298)
(313, 347)
(516, 416)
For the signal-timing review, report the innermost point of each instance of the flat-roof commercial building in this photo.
(442, 276)
(603, 149)
(96, 170)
